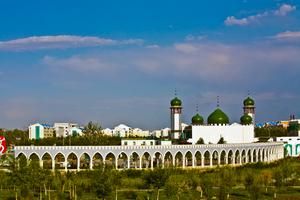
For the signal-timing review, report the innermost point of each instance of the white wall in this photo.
(234, 133)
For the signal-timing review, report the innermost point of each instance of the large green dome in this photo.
(218, 117)
(249, 102)
(175, 102)
(246, 119)
(197, 119)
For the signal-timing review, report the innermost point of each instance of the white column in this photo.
(91, 164)
(193, 161)
(140, 162)
(128, 163)
(219, 159)
(202, 161)
(41, 163)
(78, 164)
(53, 164)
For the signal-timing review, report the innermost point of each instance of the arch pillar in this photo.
(193, 161)
(163, 162)
(173, 160)
(128, 162)
(140, 162)
(233, 159)
(202, 161)
(226, 159)
(152, 163)
(41, 163)
(91, 163)
(219, 158)
(53, 164)
(240, 158)
(78, 163)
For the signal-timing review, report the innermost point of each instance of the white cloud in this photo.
(61, 42)
(287, 35)
(153, 46)
(231, 20)
(211, 61)
(191, 37)
(79, 63)
(283, 10)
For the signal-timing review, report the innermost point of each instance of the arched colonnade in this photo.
(149, 157)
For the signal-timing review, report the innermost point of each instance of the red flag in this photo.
(2, 145)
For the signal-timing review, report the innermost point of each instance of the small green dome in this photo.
(249, 102)
(197, 119)
(218, 117)
(175, 102)
(246, 119)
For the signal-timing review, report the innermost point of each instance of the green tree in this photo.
(200, 141)
(92, 129)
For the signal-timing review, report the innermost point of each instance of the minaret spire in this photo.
(218, 101)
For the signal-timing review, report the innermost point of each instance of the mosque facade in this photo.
(217, 127)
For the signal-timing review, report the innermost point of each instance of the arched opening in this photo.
(178, 159)
(146, 160)
(34, 160)
(188, 159)
(134, 160)
(157, 160)
(122, 161)
(198, 158)
(244, 156)
(230, 157)
(85, 161)
(22, 160)
(207, 158)
(110, 160)
(97, 161)
(47, 161)
(249, 156)
(72, 161)
(215, 158)
(168, 160)
(60, 161)
(223, 158)
(237, 157)
(254, 156)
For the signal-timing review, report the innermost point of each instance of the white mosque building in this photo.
(217, 127)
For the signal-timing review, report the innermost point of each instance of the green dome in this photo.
(249, 102)
(175, 102)
(197, 119)
(218, 117)
(246, 119)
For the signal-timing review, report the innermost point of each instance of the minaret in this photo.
(249, 108)
(176, 110)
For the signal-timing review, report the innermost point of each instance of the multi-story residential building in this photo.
(39, 131)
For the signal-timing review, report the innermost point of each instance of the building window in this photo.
(151, 143)
(133, 143)
(125, 143)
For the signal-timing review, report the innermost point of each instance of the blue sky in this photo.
(120, 61)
